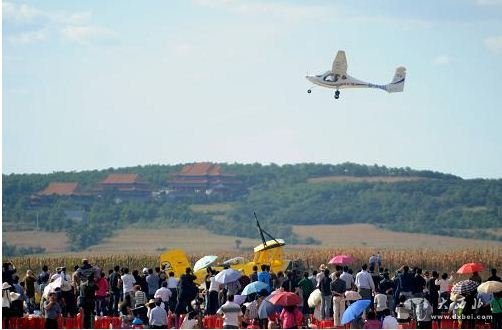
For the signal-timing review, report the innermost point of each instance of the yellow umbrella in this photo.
(490, 287)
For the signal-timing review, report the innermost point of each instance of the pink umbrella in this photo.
(341, 260)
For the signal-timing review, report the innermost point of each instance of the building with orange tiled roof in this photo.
(125, 186)
(203, 178)
(56, 190)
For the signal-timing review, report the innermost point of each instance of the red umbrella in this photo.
(471, 268)
(285, 299)
(341, 260)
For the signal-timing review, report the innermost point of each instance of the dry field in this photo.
(51, 241)
(365, 235)
(361, 179)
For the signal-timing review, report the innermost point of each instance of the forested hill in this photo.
(400, 199)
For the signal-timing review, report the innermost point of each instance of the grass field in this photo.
(366, 235)
(359, 179)
(151, 241)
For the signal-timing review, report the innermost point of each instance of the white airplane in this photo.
(338, 78)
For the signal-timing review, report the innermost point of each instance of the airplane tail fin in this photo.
(397, 83)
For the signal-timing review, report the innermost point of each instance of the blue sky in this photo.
(98, 84)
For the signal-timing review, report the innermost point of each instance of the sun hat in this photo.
(6, 286)
(145, 270)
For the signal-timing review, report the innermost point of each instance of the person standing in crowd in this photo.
(212, 294)
(67, 290)
(291, 317)
(128, 282)
(85, 270)
(307, 288)
(373, 261)
(140, 279)
(164, 294)
(52, 312)
(494, 276)
(364, 284)
(42, 281)
(8, 271)
(29, 286)
(264, 276)
(153, 282)
(443, 284)
(157, 316)
(75, 281)
(405, 283)
(338, 288)
(380, 304)
(254, 274)
(232, 313)
(496, 308)
(387, 288)
(102, 283)
(172, 284)
(88, 290)
(375, 276)
(325, 288)
(476, 278)
(139, 296)
(188, 292)
(418, 284)
(389, 321)
(114, 290)
(289, 284)
(433, 292)
(348, 278)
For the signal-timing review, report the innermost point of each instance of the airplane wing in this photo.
(340, 63)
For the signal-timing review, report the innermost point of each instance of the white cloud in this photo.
(441, 60)
(29, 37)
(494, 44)
(21, 12)
(87, 34)
(489, 2)
(38, 25)
(286, 11)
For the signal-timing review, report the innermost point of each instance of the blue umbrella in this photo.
(355, 310)
(254, 287)
(266, 308)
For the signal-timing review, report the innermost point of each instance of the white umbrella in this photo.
(314, 298)
(204, 262)
(490, 287)
(227, 276)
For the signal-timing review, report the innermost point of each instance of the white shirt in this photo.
(188, 324)
(443, 284)
(163, 293)
(172, 283)
(349, 280)
(389, 322)
(364, 280)
(157, 316)
(403, 313)
(214, 286)
(128, 282)
(380, 302)
(231, 312)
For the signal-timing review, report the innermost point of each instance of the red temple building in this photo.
(125, 187)
(203, 178)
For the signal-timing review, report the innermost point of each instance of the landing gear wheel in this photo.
(309, 91)
(337, 95)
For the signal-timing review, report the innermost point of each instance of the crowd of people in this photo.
(153, 296)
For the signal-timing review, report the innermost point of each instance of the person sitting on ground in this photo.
(371, 321)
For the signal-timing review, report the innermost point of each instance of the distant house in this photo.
(203, 178)
(125, 187)
(57, 190)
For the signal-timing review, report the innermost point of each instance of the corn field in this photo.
(427, 259)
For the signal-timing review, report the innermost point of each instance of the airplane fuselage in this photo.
(330, 80)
